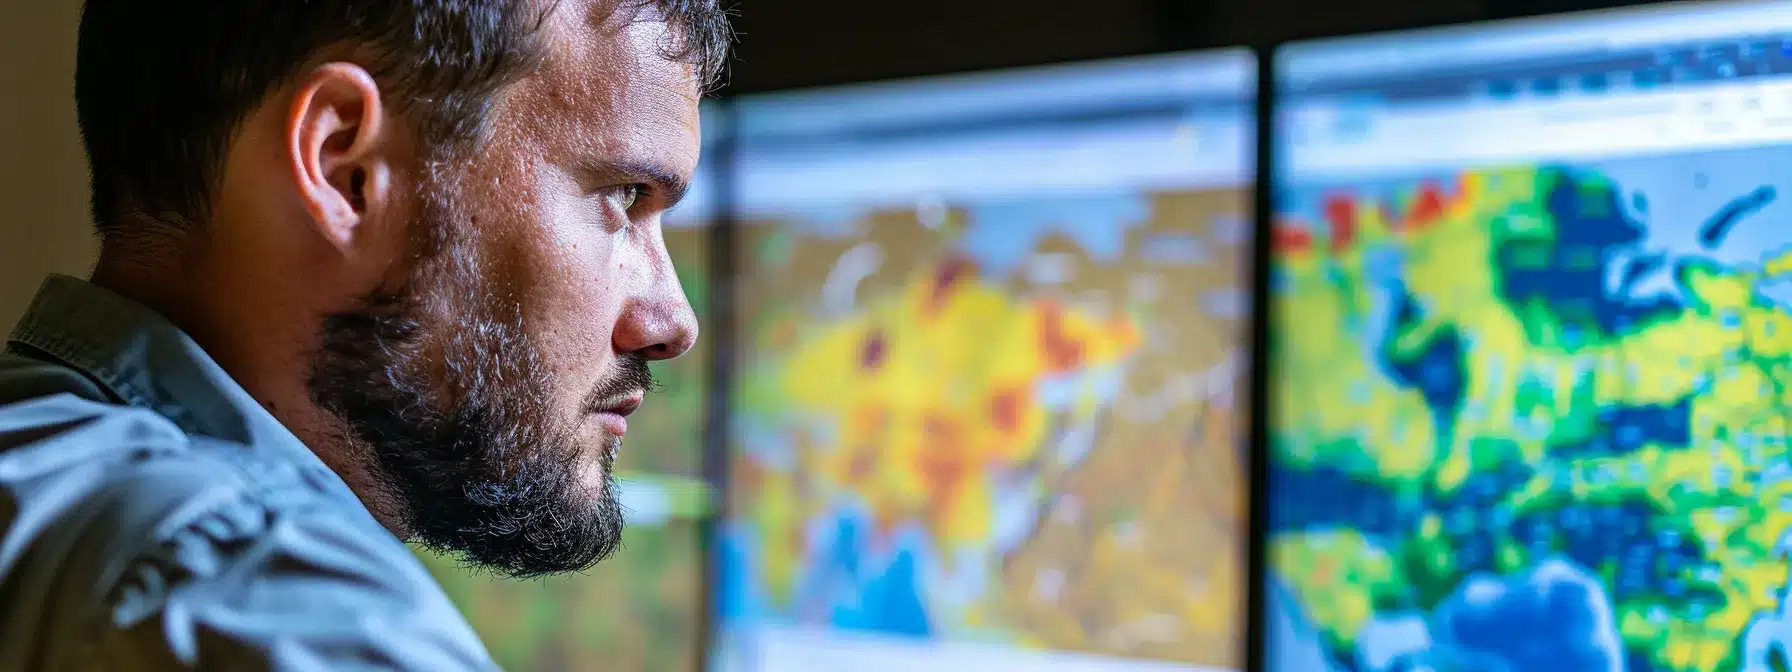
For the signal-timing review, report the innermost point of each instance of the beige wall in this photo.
(43, 174)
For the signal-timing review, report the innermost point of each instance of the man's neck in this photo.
(158, 284)
(266, 358)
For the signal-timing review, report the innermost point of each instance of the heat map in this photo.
(1004, 422)
(1534, 418)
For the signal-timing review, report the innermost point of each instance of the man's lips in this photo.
(612, 414)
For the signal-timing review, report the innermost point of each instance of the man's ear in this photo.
(336, 136)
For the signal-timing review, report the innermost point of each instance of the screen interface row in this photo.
(1528, 360)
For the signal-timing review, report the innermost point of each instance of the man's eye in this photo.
(626, 195)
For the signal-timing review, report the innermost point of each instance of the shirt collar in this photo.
(143, 360)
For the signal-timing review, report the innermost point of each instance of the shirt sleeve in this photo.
(130, 546)
(240, 589)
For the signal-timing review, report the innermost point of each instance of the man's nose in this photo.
(658, 325)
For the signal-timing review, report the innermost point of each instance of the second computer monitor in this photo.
(991, 328)
(1531, 348)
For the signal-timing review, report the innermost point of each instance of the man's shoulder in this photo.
(100, 489)
(61, 434)
(75, 462)
(112, 517)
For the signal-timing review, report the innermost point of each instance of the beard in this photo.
(444, 397)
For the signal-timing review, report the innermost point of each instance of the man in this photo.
(370, 270)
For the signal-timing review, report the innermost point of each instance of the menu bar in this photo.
(1324, 139)
(1645, 39)
(1191, 152)
(1110, 88)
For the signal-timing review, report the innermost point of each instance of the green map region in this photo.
(1533, 417)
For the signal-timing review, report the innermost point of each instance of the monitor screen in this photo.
(1530, 346)
(642, 608)
(984, 415)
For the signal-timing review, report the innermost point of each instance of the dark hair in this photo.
(161, 86)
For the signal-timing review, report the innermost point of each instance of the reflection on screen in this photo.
(640, 610)
(1532, 344)
(991, 333)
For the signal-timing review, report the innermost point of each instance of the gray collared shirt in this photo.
(154, 516)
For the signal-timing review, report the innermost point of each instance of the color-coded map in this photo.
(639, 611)
(1534, 418)
(1005, 422)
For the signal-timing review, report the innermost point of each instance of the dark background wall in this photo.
(783, 43)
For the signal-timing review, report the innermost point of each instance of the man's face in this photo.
(489, 391)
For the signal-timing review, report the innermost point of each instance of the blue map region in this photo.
(1626, 429)
(1003, 234)
(1437, 371)
(843, 588)
(1331, 498)
(1622, 232)
(886, 599)
(1297, 645)
(1568, 271)
(827, 220)
(1553, 618)
(739, 599)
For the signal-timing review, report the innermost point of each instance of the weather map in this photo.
(639, 610)
(1009, 422)
(1534, 417)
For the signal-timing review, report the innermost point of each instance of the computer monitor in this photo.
(983, 416)
(1530, 347)
(641, 609)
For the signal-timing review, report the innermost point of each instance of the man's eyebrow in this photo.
(672, 185)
